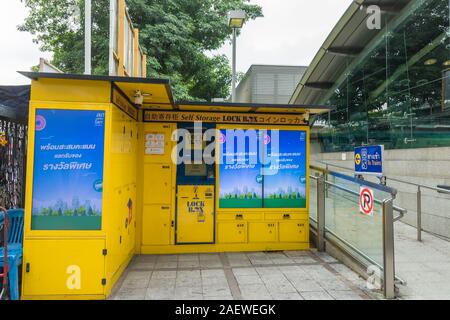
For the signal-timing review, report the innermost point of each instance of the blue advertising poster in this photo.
(240, 169)
(369, 160)
(285, 170)
(68, 170)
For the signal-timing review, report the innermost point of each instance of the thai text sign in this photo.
(223, 117)
(68, 170)
(369, 160)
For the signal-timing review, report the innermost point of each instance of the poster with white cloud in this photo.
(285, 170)
(68, 170)
(240, 170)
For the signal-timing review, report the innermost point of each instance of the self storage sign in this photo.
(223, 117)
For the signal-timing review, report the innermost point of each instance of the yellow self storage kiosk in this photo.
(108, 178)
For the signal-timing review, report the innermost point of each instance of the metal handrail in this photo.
(440, 190)
(418, 195)
(401, 210)
(361, 182)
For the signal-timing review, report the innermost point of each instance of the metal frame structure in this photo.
(119, 17)
(388, 208)
(418, 194)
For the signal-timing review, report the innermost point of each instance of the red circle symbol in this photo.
(366, 201)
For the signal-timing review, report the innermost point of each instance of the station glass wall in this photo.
(398, 95)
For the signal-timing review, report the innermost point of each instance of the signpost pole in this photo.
(87, 36)
(419, 214)
(388, 250)
(320, 194)
(112, 35)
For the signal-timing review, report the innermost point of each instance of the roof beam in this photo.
(345, 51)
(319, 85)
(390, 7)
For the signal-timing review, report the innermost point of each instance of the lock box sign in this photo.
(369, 160)
(195, 214)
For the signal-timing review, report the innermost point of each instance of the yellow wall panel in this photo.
(241, 215)
(71, 91)
(59, 267)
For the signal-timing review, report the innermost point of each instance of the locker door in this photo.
(157, 143)
(157, 183)
(232, 232)
(293, 231)
(63, 267)
(262, 232)
(195, 214)
(156, 225)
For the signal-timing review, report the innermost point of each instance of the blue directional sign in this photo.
(369, 160)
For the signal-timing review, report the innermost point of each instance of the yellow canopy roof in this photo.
(157, 95)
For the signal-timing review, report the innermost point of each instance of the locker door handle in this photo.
(27, 267)
(172, 224)
(164, 208)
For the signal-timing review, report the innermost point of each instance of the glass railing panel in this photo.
(360, 234)
(313, 201)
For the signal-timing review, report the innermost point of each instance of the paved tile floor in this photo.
(288, 275)
(424, 265)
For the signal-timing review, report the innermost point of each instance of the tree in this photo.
(175, 35)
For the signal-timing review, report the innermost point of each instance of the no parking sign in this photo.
(366, 201)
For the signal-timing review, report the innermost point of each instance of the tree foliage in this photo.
(175, 35)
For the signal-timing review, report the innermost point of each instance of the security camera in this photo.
(306, 116)
(138, 97)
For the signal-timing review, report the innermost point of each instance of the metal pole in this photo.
(233, 80)
(87, 36)
(320, 194)
(419, 214)
(388, 250)
(112, 35)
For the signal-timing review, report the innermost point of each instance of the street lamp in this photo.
(236, 20)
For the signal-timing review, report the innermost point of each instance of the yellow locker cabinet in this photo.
(293, 231)
(157, 183)
(195, 214)
(262, 232)
(58, 267)
(157, 143)
(232, 232)
(157, 224)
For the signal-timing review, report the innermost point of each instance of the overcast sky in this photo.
(290, 33)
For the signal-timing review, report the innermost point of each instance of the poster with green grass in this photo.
(68, 170)
(239, 170)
